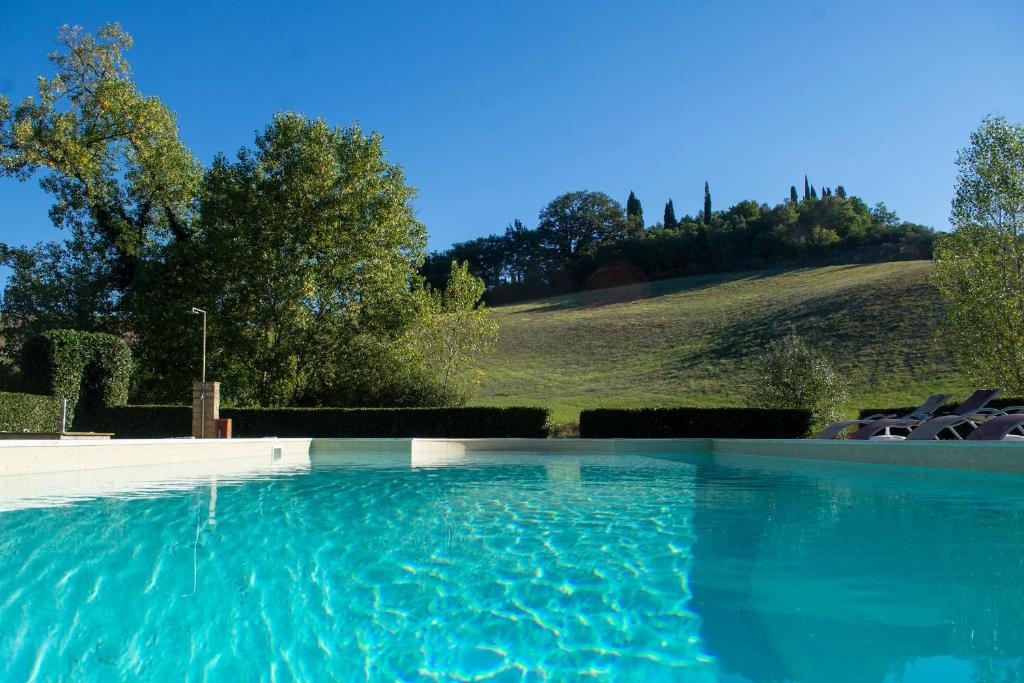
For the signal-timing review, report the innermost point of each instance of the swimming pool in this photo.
(522, 566)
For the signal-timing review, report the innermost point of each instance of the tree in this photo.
(707, 203)
(793, 374)
(634, 215)
(670, 221)
(110, 156)
(575, 223)
(792, 194)
(807, 188)
(303, 256)
(56, 285)
(979, 267)
(840, 191)
(456, 330)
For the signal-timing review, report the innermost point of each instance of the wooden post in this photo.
(205, 409)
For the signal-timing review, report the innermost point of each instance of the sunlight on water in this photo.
(524, 567)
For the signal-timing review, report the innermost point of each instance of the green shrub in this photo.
(90, 369)
(996, 403)
(29, 412)
(680, 423)
(793, 374)
(170, 421)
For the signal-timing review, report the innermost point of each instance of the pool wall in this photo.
(41, 457)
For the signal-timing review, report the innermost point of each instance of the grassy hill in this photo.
(693, 341)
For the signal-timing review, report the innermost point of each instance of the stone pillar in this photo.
(205, 409)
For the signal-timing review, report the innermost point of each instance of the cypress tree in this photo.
(707, 203)
(840, 191)
(792, 194)
(807, 189)
(634, 212)
(670, 216)
(814, 193)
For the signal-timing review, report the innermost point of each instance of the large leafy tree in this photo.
(979, 267)
(303, 250)
(109, 155)
(306, 245)
(573, 224)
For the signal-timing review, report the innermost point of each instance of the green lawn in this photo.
(693, 341)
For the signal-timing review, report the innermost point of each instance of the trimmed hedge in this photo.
(29, 412)
(154, 422)
(995, 403)
(90, 369)
(680, 423)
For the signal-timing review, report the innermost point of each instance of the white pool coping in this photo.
(20, 457)
(36, 473)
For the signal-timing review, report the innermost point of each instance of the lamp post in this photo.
(202, 396)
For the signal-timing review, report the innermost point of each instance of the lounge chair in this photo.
(1000, 428)
(926, 410)
(954, 426)
(973, 407)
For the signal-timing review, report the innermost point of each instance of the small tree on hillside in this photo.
(671, 222)
(634, 214)
(707, 203)
(979, 267)
(793, 374)
(457, 331)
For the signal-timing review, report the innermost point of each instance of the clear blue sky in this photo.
(494, 108)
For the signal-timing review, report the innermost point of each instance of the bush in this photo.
(29, 412)
(142, 422)
(90, 369)
(681, 423)
(793, 374)
(996, 403)
(170, 421)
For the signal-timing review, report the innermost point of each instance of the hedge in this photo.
(155, 422)
(90, 369)
(949, 407)
(679, 423)
(29, 412)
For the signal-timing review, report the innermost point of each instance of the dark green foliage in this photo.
(840, 191)
(707, 203)
(807, 188)
(170, 421)
(90, 369)
(142, 422)
(575, 223)
(814, 193)
(670, 222)
(634, 214)
(29, 413)
(792, 195)
(999, 403)
(681, 423)
(525, 264)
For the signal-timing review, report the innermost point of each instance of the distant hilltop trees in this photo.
(587, 240)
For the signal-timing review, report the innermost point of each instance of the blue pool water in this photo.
(532, 567)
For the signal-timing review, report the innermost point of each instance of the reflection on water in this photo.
(808, 572)
(521, 567)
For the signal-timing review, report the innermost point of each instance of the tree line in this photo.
(302, 248)
(586, 240)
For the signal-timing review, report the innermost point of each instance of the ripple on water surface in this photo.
(527, 567)
(516, 571)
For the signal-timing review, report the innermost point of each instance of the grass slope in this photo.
(694, 341)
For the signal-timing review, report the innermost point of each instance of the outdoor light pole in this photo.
(202, 396)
